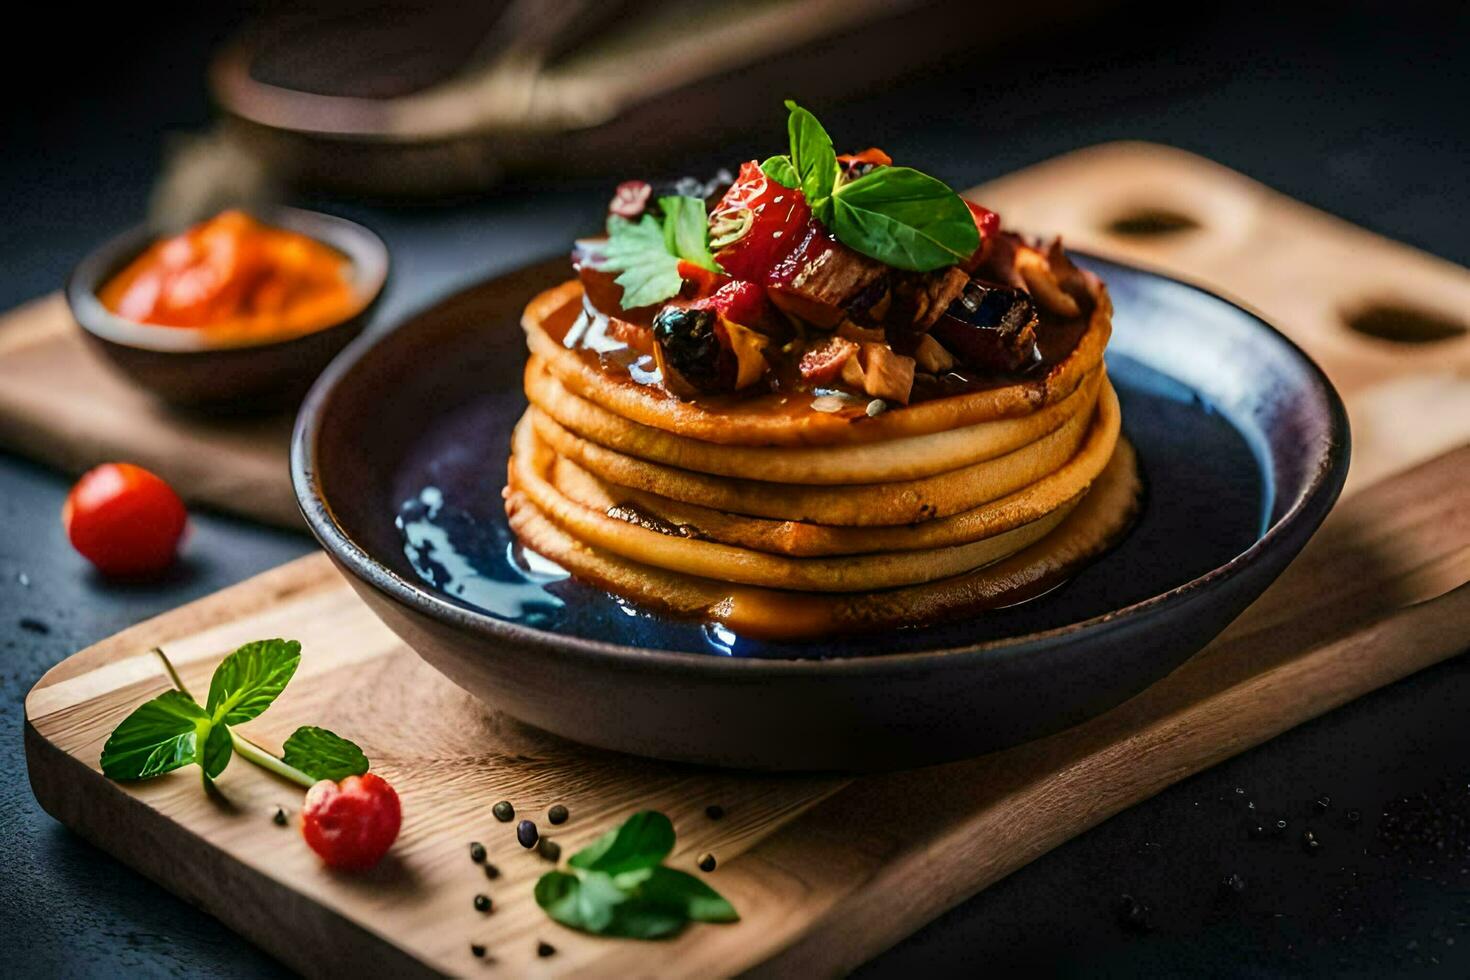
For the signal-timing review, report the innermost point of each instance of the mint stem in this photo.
(245, 748)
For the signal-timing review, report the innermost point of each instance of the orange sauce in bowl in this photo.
(234, 275)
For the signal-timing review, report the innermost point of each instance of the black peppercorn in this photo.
(558, 814)
(714, 811)
(492, 872)
(280, 817)
(477, 950)
(1354, 815)
(1322, 803)
(549, 849)
(477, 852)
(527, 834)
(545, 949)
(503, 811)
(706, 861)
(483, 903)
(1133, 915)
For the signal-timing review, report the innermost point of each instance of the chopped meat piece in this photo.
(863, 335)
(920, 299)
(887, 375)
(1042, 284)
(820, 274)
(1072, 279)
(822, 364)
(852, 372)
(931, 356)
(871, 303)
(999, 264)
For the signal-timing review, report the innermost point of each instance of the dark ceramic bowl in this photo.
(191, 367)
(399, 455)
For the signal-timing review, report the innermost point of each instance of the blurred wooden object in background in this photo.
(388, 101)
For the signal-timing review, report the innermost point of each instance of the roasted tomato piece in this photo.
(823, 363)
(991, 327)
(756, 224)
(855, 165)
(743, 302)
(987, 223)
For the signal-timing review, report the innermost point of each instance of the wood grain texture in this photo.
(60, 404)
(826, 871)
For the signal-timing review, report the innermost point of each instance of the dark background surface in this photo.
(1361, 113)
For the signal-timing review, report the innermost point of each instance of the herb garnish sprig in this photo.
(619, 886)
(646, 253)
(897, 215)
(173, 730)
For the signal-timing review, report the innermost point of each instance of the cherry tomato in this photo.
(777, 215)
(987, 223)
(124, 520)
(351, 824)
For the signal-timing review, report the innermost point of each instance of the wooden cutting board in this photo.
(825, 871)
(1309, 273)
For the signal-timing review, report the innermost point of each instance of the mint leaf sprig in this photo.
(619, 886)
(897, 215)
(647, 252)
(172, 730)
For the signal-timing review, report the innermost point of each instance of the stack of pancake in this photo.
(804, 515)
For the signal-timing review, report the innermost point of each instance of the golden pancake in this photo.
(531, 461)
(904, 458)
(1092, 526)
(899, 502)
(774, 419)
(797, 538)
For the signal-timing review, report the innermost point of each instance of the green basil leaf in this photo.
(159, 736)
(587, 900)
(812, 155)
(218, 747)
(904, 218)
(323, 755)
(671, 889)
(686, 230)
(248, 680)
(649, 274)
(644, 839)
(781, 171)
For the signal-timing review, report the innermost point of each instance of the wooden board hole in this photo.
(1148, 221)
(1404, 324)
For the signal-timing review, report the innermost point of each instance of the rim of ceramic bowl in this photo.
(1320, 491)
(364, 249)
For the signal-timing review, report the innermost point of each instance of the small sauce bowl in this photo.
(212, 370)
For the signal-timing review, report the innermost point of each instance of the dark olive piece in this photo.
(549, 849)
(477, 852)
(477, 950)
(483, 903)
(706, 861)
(545, 949)
(558, 814)
(991, 327)
(492, 872)
(691, 347)
(503, 811)
(714, 811)
(280, 817)
(527, 834)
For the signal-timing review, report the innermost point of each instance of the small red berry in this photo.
(351, 824)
